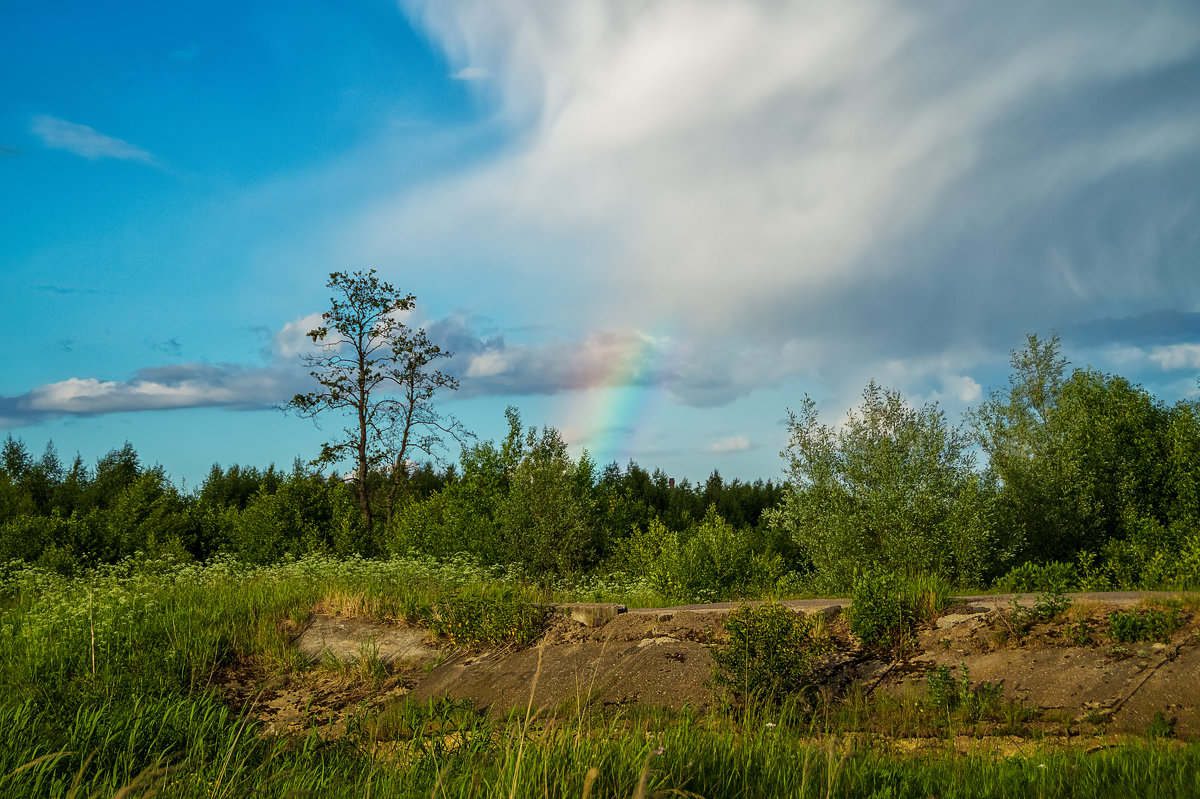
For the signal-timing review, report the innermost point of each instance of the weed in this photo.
(770, 653)
(1052, 603)
(947, 694)
(885, 608)
(1160, 726)
(470, 620)
(1079, 632)
(941, 689)
(1046, 606)
(1150, 625)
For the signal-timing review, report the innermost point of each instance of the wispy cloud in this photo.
(85, 141)
(730, 444)
(470, 73)
(485, 365)
(851, 185)
(171, 346)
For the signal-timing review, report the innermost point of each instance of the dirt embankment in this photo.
(1069, 668)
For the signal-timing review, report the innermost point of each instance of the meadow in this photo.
(109, 687)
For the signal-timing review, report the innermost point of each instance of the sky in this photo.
(652, 224)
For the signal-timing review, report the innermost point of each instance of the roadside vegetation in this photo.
(124, 597)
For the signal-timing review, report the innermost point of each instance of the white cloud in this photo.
(293, 340)
(159, 388)
(487, 364)
(84, 141)
(1177, 356)
(730, 444)
(470, 73)
(863, 181)
(1169, 357)
(962, 388)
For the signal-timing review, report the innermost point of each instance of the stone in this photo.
(592, 614)
(954, 619)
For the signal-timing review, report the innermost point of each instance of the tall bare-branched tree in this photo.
(379, 371)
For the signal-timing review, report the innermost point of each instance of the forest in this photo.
(1070, 477)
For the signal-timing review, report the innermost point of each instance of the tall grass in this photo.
(200, 750)
(107, 689)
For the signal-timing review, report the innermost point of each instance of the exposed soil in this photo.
(604, 657)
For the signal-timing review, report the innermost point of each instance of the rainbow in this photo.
(618, 394)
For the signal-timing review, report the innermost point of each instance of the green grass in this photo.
(198, 749)
(107, 689)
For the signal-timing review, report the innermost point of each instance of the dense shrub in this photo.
(770, 653)
(306, 514)
(893, 486)
(710, 560)
(886, 608)
(1029, 577)
(545, 520)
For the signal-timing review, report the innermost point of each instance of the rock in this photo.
(828, 613)
(592, 614)
(954, 619)
(662, 639)
(353, 639)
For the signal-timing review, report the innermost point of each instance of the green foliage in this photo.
(1054, 602)
(1079, 632)
(942, 691)
(770, 653)
(1046, 606)
(472, 619)
(893, 486)
(1160, 726)
(949, 695)
(1092, 463)
(1030, 576)
(306, 514)
(709, 560)
(545, 520)
(375, 368)
(1149, 625)
(886, 608)
(878, 615)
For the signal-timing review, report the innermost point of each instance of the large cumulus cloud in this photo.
(863, 184)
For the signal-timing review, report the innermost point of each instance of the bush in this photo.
(1152, 625)
(770, 653)
(885, 608)
(877, 613)
(305, 515)
(470, 620)
(711, 560)
(892, 485)
(1030, 577)
(545, 521)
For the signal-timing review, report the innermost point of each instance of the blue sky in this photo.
(654, 226)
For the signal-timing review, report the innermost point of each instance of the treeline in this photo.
(1089, 481)
(1065, 479)
(522, 501)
